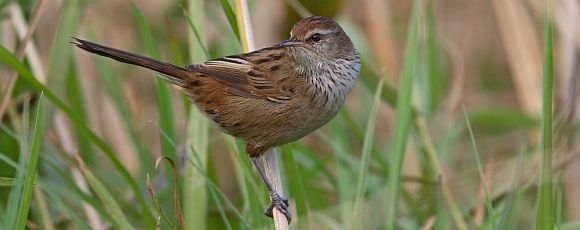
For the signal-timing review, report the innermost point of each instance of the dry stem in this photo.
(272, 171)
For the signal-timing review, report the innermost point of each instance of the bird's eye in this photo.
(316, 37)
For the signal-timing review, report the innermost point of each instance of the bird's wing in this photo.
(259, 74)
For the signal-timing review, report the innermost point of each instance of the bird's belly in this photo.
(266, 124)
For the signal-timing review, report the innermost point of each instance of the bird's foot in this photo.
(279, 203)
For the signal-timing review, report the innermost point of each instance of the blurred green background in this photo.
(455, 136)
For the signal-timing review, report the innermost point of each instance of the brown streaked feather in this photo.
(229, 75)
(241, 93)
(251, 75)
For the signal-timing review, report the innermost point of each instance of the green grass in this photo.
(116, 214)
(31, 167)
(363, 172)
(403, 121)
(349, 174)
(476, 154)
(545, 209)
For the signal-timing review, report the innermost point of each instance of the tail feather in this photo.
(174, 74)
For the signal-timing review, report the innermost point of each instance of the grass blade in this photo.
(195, 191)
(248, 183)
(162, 89)
(60, 53)
(157, 203)
(559, 198)
(488, 204)
(8, 182)
(115, 93)
(545, 210)
(227, 8)
(32, 167)
(26, 75)
(78, 104)
(404, 114)
(11, 208)
(117, 215)
(297, 190)
(345, 169)
(164, 102)
(363, 172)
(434, 83)
(43, 211)
(441, 213)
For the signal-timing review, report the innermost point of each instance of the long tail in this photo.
(174, 74)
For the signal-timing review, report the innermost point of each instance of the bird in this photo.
(268, 97)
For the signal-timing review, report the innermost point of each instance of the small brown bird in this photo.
(268, 97)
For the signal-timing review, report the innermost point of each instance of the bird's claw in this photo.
(280, 203)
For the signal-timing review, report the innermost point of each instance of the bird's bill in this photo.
(291, 42)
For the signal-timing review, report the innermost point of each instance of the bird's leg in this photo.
(277, 201)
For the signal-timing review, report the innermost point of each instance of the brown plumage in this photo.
(267, 97)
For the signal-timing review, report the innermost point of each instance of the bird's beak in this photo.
(291, 42)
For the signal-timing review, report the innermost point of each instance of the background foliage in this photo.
(472, 125)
